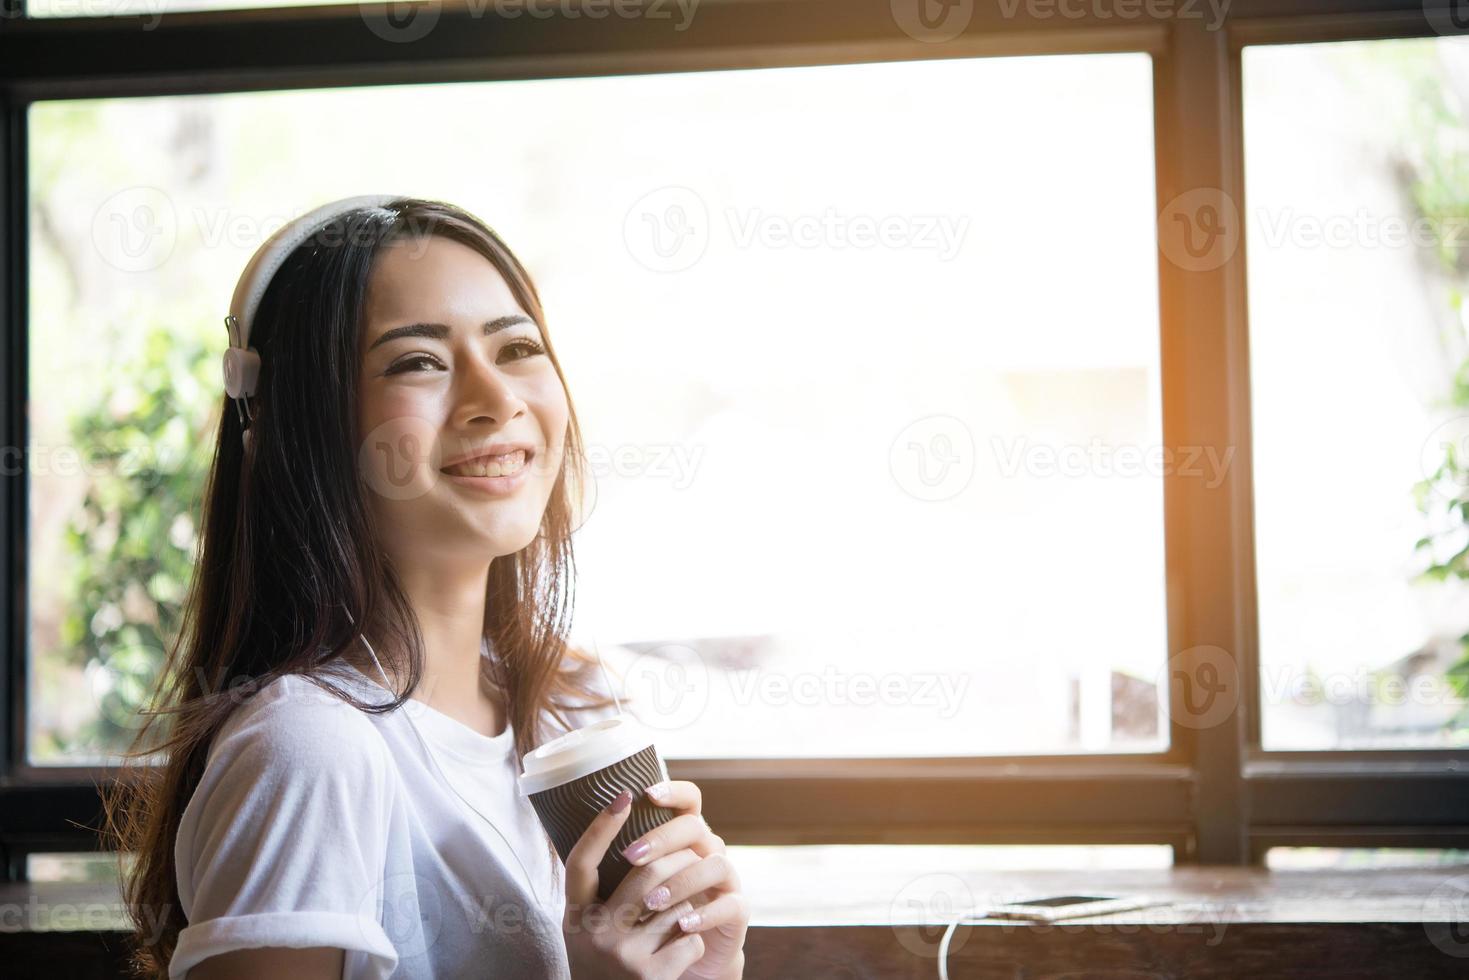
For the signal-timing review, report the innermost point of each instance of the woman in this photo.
(392, 493)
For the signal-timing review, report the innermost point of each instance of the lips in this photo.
(490, 463)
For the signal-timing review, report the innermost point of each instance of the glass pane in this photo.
(858, 458)
(157, 8)
(1362, 858)
(64, 866)
(1356, 156)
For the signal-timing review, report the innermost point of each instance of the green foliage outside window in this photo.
(149, 436)
(1435, 162)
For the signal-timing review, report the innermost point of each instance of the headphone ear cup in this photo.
(241, 371)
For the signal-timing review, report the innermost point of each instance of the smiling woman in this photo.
(469, 376)
(410, 475)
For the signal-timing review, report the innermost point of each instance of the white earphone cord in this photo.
(616, 701)
(529, 882)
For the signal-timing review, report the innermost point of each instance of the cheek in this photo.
(548, 402)
(399, 452)
(400, 401)
(399, 407)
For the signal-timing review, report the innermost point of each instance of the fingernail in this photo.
(623, 801)
(636, 851)
(657, 792)
(657, 898)
(689, 922)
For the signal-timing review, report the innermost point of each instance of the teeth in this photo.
(506, 465)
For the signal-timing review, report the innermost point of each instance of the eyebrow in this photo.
(439, 331)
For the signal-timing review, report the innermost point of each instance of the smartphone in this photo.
(1058, 907)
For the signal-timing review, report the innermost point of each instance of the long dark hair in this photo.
(286, 563)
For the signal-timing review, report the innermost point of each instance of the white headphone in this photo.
(241, 361)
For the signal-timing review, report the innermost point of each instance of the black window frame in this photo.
(1214, 795)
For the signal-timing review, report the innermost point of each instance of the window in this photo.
(1356, 217)
(881, 438)
(906, 308)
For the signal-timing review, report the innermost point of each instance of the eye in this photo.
(529, 348)
(400, 367)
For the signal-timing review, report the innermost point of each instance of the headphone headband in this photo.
(241, 367)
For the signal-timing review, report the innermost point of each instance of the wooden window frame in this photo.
(1214, 795)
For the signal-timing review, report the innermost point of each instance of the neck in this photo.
(449, 602)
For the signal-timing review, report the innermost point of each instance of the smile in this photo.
(510, 464)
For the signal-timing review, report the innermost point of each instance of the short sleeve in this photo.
(284, 840)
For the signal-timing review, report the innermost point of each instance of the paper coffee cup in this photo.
(571, 779)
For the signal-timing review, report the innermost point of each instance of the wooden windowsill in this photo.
(1220, 895)
(1224, 922)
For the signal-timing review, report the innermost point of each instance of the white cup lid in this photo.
(585, 750)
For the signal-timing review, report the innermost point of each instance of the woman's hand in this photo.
(616, 941)
(678, 913)
(720, 913)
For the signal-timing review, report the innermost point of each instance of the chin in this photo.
(474, 546)
(500, 540)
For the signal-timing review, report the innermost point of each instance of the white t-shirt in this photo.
(317, 824)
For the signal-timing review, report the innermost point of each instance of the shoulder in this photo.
(288, 829)
(290, 755)
(290, 702)
(293, 724)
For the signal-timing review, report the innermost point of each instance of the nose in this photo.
(483, 393)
